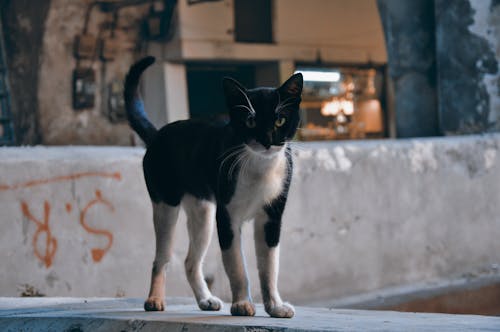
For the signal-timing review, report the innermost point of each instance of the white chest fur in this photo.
(260, 180)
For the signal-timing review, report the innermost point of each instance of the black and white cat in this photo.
(225, 174)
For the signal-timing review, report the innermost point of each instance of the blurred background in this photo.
(434, 73)
(386, 69)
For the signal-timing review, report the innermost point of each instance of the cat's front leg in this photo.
(201, 217)
(229, 233)
(267, 234)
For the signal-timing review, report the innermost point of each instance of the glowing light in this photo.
(330, 108)
(347, 107)
(336, 106)
(319, 76)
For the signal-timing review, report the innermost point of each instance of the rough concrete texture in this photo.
(361, 216)
(74, 314)
(59, 123)
(412, 64)
(23, 26)
(468, 52)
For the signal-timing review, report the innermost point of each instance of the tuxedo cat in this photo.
(225, 174)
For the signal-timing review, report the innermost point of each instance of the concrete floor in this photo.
(108, 314)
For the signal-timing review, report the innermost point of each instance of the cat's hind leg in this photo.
(201, 218)
(165, 218)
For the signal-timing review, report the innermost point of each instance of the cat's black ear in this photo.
(293, 86)
(235, 93)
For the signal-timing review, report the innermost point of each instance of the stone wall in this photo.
(412, 65)
(444, 62)
(361, 217)
(40, 40)
(468, 54)
(23, 24)
(59, 123)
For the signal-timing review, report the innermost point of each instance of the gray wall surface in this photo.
(444, 62)
(468, 55)
(362, 216)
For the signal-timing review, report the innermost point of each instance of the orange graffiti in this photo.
(97, 253)
(42, 227)
(28, 184)
(47, 254)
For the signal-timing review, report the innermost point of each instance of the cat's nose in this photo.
(270, 136)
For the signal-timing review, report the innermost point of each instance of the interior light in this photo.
(330, 108)
(319, 76)
(347, 107)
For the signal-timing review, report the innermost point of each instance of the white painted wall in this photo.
(361, 216)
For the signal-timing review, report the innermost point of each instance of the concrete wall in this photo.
(444, 64)
(76, 221)
(412, 65)
(22, 24)
(468, 56)
(59, 123)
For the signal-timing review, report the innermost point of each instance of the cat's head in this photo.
(265, 116)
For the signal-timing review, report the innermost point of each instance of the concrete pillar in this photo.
(153, 92)
(409, 33)
(286, 69)
(176, 91)
(165, 93)
(468, 51)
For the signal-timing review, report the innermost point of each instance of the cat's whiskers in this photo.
(251, 111)
(246, 162)
(230, 154)
(235, 164)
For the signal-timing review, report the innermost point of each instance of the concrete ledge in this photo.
(78, 314)
(361, 217)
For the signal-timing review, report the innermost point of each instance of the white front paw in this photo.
(285, 310)
(212, 303)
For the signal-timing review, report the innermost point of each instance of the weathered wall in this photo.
(361, 216)
(444, 63)
(412, 65)
(23, 24)
(468, 54)
(59, 123)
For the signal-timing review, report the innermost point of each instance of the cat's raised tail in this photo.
(134, 105)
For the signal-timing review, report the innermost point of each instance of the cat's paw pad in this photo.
(243, 308)
(211, 304)
(285, 310)
(154, 303)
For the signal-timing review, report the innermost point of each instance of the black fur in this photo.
(189, 156)
(133, 103)
(224, 229)
(275, 210)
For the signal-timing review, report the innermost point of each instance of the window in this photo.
(253, 21)
(342, 103)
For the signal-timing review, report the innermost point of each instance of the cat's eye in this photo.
(280, 122)
(251, 122)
